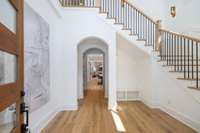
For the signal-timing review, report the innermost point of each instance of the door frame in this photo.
(13, 43)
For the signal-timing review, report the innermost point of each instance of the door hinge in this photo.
(25, 109)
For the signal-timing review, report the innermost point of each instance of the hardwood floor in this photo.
(93, 117)
(138, 118)
(93, 85)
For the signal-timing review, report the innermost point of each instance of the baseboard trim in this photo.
(132, 99)
(181, 117)
(150, 104)
(47, 118)
(177, 115)
(68, 108)
(43, 122)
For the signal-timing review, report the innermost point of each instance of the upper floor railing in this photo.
(124, 13)
(178, 51)
(80, 3)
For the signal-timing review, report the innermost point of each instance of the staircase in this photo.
(179, 53)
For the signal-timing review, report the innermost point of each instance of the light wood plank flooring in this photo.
(93, 117)
(93, 85)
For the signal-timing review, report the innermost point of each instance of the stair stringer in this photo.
(158, 88)
(192, 95)
(148, 50)
(126, 33)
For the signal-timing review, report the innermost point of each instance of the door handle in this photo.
(25, 109)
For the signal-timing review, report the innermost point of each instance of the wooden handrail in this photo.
(149, 18)
(140, 11)
(177, 50)
(181, 35)
(187, 49)
(158, 35)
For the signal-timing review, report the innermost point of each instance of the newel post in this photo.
(158, 36)
(122, 3)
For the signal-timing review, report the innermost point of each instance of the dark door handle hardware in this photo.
(22, 93)
(25, 109)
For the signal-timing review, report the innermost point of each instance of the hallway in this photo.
(93, 117)
(93, 85)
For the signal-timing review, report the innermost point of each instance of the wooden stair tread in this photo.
(182, 71)
(190, 79)
(194, 88)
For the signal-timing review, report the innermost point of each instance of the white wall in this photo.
(84, 46)
(125, 71)
(66, 31)
(153, 8)
(65, 34)
(157, 87)
(174, 96)
(160, 89)
(91, 26)
(187, 20)
(132, 69)
(126, 67)
(42, 116)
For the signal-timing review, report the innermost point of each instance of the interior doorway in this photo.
(92, 68)
(93, 77)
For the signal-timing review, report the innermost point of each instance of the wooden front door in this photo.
(11, 67)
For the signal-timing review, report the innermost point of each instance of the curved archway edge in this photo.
(110, 58)
(83, 47)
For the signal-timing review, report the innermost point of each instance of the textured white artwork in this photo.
(37, 81)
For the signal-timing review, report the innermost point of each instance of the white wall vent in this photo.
(127, 95)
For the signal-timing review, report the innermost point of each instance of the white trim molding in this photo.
(177, 115)
(69, 108)
(181, 117)
(44, 122)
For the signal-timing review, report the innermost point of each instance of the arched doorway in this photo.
(91, 46)
(94, 67)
